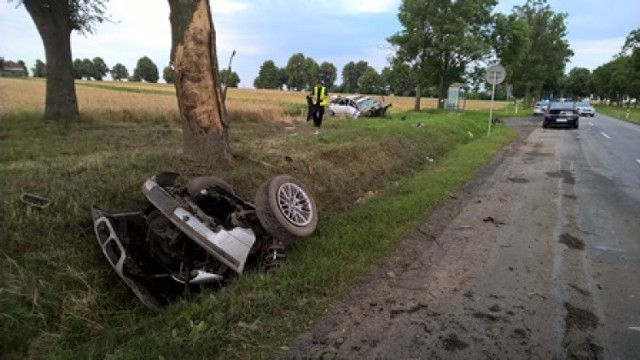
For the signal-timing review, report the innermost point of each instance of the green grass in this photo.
(620, 112)
(60, 299)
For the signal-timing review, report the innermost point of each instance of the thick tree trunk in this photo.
(416, 104)
(195, 67)
(54, 26)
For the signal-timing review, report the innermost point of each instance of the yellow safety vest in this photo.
(324, 99)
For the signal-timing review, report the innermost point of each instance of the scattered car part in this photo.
(201, 233)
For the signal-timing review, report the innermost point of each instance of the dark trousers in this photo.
(317, 112)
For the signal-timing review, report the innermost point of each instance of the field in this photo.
(374, 181)
(18, 95)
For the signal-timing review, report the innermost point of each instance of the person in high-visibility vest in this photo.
(320, 99)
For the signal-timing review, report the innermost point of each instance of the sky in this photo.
(325, 30)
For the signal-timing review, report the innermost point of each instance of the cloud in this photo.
(227, 7)
(593, 53)
(374, 6)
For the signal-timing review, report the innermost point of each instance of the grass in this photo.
(620, 112)
(59, 297)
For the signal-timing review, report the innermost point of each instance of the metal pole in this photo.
(493, 90)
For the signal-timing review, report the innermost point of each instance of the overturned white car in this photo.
(201, 233)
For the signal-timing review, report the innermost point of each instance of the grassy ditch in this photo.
(59, 298)
(620, 112)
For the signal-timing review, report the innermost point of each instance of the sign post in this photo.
(494, 75)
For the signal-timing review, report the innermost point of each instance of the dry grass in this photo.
(29, 95)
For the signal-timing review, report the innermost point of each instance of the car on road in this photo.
(562, 113)
(538, 109)
(199, 232)
(585, 109)
(358, 106)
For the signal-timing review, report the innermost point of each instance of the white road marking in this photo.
(634, 328)
(606, 248)
(638, 160)
(605, 135)
(590, 123)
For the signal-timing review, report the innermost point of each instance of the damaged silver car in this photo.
(201, 233)
(358, 106)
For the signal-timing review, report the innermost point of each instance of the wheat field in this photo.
(29, 95)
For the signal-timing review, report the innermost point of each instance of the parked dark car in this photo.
(561, 113)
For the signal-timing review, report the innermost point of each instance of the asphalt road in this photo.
(605, 154)
(541, 260)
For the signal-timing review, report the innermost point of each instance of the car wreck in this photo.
(201, 233)
(358, 106)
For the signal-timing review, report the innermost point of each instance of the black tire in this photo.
(194, 186)
(544, 125)
(577, 125)
(286, 208)
(332, 113)
(592, 115)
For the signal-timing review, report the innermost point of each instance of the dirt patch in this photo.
(580, 318)
(452, 343)
(567, 176)
(571, 241)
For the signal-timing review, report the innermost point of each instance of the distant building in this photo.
(11, 69)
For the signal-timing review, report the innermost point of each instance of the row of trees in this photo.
(445, 42)
(145, 69)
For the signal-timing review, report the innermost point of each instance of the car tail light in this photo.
(576, 112)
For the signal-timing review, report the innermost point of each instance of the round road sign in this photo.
(495, 74)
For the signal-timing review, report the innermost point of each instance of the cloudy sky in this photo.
(326, 30)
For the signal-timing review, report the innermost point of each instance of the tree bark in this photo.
(195, 67)
(416, 104)
(54, 27)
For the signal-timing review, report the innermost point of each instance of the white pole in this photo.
(493, 90)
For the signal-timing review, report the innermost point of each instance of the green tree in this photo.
(369, 82)
(510, 39)
(351, 73)
(78, 67)
(24, 67)
(119, 72)
(442, 37)
(145, 70)
(167, 74)
(100, 68)
(39, 69)
(579, 83)
(632, 47)
(296, 72)
(283, 77)
(268, 76)
(401, 79)
(546, 53)
(55, 19)
(229, 79)
(327, 73)
(87, 69)
(311, 71)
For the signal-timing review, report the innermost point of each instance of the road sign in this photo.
(495, 74)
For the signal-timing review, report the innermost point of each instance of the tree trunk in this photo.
(527, 95)
(416, 104)
(195, 68)
(440, 91)
(54, 26)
